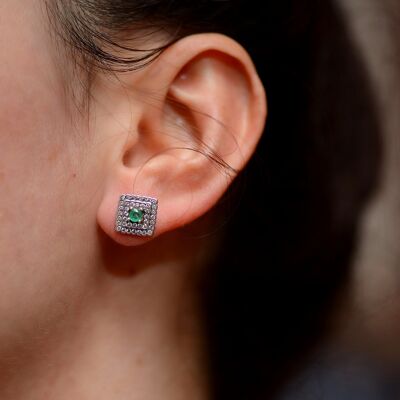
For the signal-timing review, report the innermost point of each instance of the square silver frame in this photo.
(148, 205)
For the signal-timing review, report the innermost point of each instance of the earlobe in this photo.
(200, 106)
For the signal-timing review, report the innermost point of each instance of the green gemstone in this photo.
(136, 216)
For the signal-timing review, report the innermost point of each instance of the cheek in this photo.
(32, 183)
(40, 260)
(33, 165)
(33, 151)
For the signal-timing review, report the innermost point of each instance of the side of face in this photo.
(44, 212)
(62, 172)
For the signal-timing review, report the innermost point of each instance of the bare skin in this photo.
(87, 313)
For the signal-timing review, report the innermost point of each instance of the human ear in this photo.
(194, 117)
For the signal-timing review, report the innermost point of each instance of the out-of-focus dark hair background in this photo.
(300, 304)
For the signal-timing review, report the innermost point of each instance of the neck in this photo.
(134, 335)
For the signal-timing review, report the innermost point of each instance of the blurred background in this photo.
(360, 358)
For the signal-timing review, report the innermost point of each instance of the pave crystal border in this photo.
(148, 205)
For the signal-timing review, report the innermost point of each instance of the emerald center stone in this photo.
(136, 215)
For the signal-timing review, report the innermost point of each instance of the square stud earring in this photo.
(136, 215)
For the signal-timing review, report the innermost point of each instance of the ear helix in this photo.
(136, 215)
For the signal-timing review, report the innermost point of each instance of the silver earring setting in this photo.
(136, 215)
